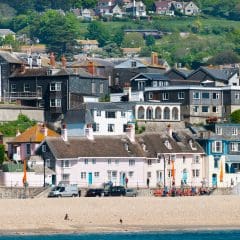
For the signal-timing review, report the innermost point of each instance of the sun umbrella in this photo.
(24, 172)
(221, 172)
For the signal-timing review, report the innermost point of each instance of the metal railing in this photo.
(22, 95)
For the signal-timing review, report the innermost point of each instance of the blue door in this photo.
(184, 176)
(90, 178)
(214, 180)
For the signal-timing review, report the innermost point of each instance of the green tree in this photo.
(57, 31)
(225, 57)
(133, 40)
(96, 30)
(150, 40)
(235, 116)
(2, 154)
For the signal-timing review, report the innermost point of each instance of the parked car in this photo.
(64, 191)
(115, 191)
(130, 192)
(95, 192)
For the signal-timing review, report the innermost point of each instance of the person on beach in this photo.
(148, 182)
(126, 181)
(66, 217)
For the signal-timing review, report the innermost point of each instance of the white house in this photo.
(106, 118)
(164, 159)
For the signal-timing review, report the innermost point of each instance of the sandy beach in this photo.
(33, 216)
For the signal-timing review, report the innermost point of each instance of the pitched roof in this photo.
(128, 64)
(217, 74)
(152, 76)
(34, 134)
(104, 146)
(6, 32)
(10, 58)
(155, 143)
(163, 4)
(87, 42)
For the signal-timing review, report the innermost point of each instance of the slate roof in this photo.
(152, 76)
(34, 134)
(10, 58)
(128, 64)
(103, 106)
(182, 72)
(78, 116)
(104, 146)
(6, 32)
(155, 144)
(43, 71)
(217, 74)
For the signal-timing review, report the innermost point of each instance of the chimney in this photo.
(30, 61)
(18, 133)
(89, 132)
(39, 61)
(169, 130)
(64, 61)
(23, 68)
(91, 68)
(131, 132)
(64, 134)
(52, 60)
(154, 58)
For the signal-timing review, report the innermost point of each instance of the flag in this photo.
(24, 172)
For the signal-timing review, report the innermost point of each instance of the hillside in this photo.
(204, 39)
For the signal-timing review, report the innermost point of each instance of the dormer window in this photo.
(192, 145)
(126, 146)
(234, 131)
(167, 144)
(144, 147)
(133, 64)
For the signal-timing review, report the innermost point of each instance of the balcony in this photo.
(23, 95)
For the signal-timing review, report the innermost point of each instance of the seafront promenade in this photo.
(103, 214)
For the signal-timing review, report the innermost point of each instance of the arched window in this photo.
(166, 113)
(141, 113)
(149, 113)
(175, 114)
(158, 113)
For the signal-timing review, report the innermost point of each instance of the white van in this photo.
(64, 191)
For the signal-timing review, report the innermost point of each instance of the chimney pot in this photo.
(64, 134)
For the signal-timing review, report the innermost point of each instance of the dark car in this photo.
(95, 192)
(115, 191)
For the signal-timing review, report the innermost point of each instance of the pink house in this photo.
(25, 144)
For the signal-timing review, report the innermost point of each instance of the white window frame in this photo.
(194, 95)
(217, 95)
(65, 177)
(217, 109)
(55, 86)
(234, 147)
(181, 95)
(218, 130)
(26, 87)
(13, 88)
(65, 164)
(83, 175)
(165, 96)
(234, 131)
(55, 102)
(215, 146)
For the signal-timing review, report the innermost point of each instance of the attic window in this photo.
(144, 147)
(133, 64)
(167, 144)
(192, 145)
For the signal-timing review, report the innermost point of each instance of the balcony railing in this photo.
(23, 95)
